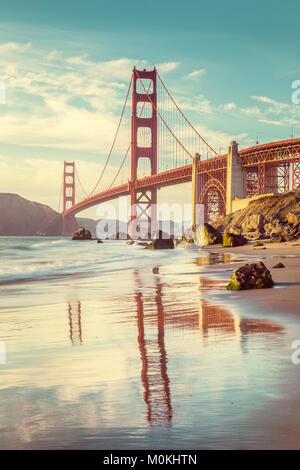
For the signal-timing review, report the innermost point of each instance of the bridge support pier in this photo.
(195, 191)
(68, 224)
(236, 177)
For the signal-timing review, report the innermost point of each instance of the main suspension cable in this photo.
(120, 168)
(79, 181)
(114, 141)
(61, 191)
(127, 151)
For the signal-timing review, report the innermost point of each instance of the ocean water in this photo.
(110, 346)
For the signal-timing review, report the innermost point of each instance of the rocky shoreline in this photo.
(270, 217)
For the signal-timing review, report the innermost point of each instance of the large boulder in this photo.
(82, 234)
(251, 276)
(160, 242)
(230, 240)
(206, 235)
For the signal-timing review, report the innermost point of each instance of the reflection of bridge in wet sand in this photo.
(154, 374)
(215, 318)
(158, 308)
(74, 315)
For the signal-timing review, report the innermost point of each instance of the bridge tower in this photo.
(143, 202)
(68, 222)
(235, 178)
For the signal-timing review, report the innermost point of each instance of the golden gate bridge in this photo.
(163, 137)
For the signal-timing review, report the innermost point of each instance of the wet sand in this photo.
(285, 296)
(145, 350)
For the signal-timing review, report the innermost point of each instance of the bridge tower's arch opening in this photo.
(213, 198)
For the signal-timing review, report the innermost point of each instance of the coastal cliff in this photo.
(267, 217)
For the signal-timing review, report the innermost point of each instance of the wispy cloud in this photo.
(197, 103)
(167, 67)
(273, 123)
(252, 111)
(228, 106)
(263, 99)
(9, 47)
(286, 114)
(195, 74)
(220, 140)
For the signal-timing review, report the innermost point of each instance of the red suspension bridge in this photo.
(166, 145)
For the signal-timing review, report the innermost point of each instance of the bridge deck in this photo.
(283, 151)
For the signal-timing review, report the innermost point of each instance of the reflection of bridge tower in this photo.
(74, 314)
(68, 197)
(154, 373)
(143, 201)
(215, 317)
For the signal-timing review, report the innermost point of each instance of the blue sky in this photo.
(66, 65)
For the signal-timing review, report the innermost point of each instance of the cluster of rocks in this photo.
(275, 217)
(206, 235)
(160, 239)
